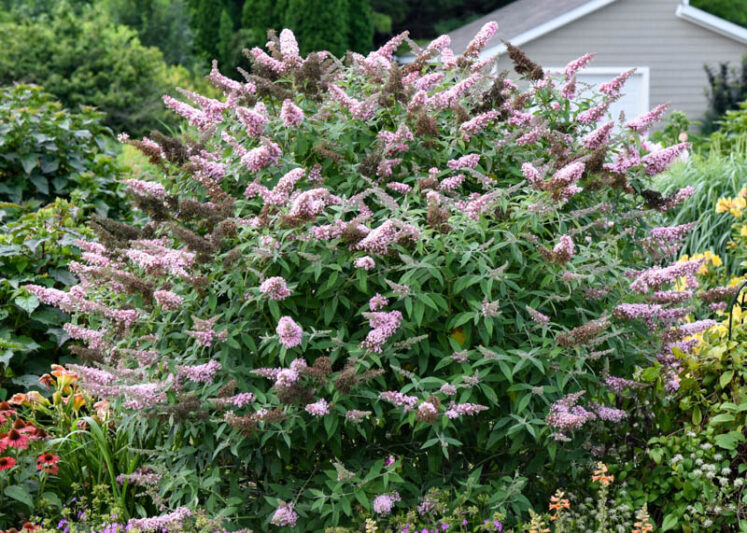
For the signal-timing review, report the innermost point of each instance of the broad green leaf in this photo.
(20, 494)
(27, 303)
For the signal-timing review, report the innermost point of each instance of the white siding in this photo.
(645, 33)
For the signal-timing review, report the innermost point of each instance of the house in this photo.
(667, 41)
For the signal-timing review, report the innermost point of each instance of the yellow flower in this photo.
(78, 401)
(732, 205)
(737, 204)
(743, 231)
(723, 205)
(716, 260)
(34, 398)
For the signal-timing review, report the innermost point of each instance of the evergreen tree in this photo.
(206, 23)
(225, 38)
(319, 25)
(258, 16)
(360, 26)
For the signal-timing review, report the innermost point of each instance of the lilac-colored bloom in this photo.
(318, 408)
(291, 114)
(275, 288)
(284, 516)
(289, 332)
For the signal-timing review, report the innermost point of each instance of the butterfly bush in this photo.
(343, 261)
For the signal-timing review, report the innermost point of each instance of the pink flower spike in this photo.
(577, 64)
(481, 39)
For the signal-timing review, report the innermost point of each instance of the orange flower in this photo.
(600, 474)
(78, 401)
(47, 380)
(558, 503)
(17, 399)
(643, 525)
(102, 409)
(34, 398)
(64, 376)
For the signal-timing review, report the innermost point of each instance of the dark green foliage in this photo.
(164, 24)
(732, 10)
(88, 60)
(319, 25)
(428, 18)
(206, 22)
(35, 247)
(728, 87)
(258, 16)
(360, 26)
(47, 152)
(225, 36)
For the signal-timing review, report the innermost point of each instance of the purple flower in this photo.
(275, 288)
(318, 408)
(289, 332)
(383, 503)
(284, 515)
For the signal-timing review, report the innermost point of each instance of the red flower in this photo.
(7, 463)
(48, 463)
(14, 439)
(28, 526)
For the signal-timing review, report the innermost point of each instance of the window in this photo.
(635, 92)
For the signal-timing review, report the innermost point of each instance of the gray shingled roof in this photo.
(514, 19)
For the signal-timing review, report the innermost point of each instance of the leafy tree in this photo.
(427, 18)
(732, 10)
(91, 61)
(45, 152)
(319, 26)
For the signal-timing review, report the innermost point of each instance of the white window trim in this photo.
(697, 16)
(644, 72)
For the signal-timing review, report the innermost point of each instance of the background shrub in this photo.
(46, 152)
(84, 59)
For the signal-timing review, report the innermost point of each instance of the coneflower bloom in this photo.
(14, 439)
(7, 463)
(47, 462)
